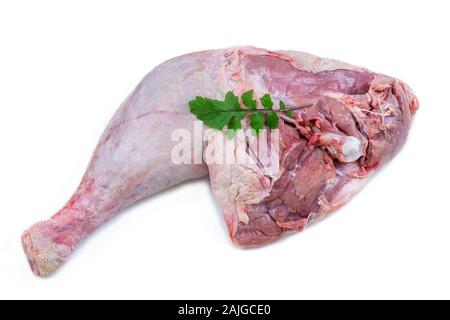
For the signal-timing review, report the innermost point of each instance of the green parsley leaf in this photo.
(235, 122)
(219, 105)
(272, 120)
(267, 102)
(289, 113)
(247, 99)
(210, 113)
(257, 122)
(232, 101)
(231, 134)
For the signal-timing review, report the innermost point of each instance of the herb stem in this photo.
(302, 106)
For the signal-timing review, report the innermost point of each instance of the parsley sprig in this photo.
(230, 112)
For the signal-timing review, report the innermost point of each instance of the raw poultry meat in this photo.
(359, 120)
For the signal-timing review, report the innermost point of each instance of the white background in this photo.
(66, 66)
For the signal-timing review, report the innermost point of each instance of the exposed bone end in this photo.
(351, 150)
(344, 148)
(44, 256)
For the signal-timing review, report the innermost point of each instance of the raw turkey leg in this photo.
(358, 122)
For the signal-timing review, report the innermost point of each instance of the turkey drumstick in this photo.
(357, 121)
